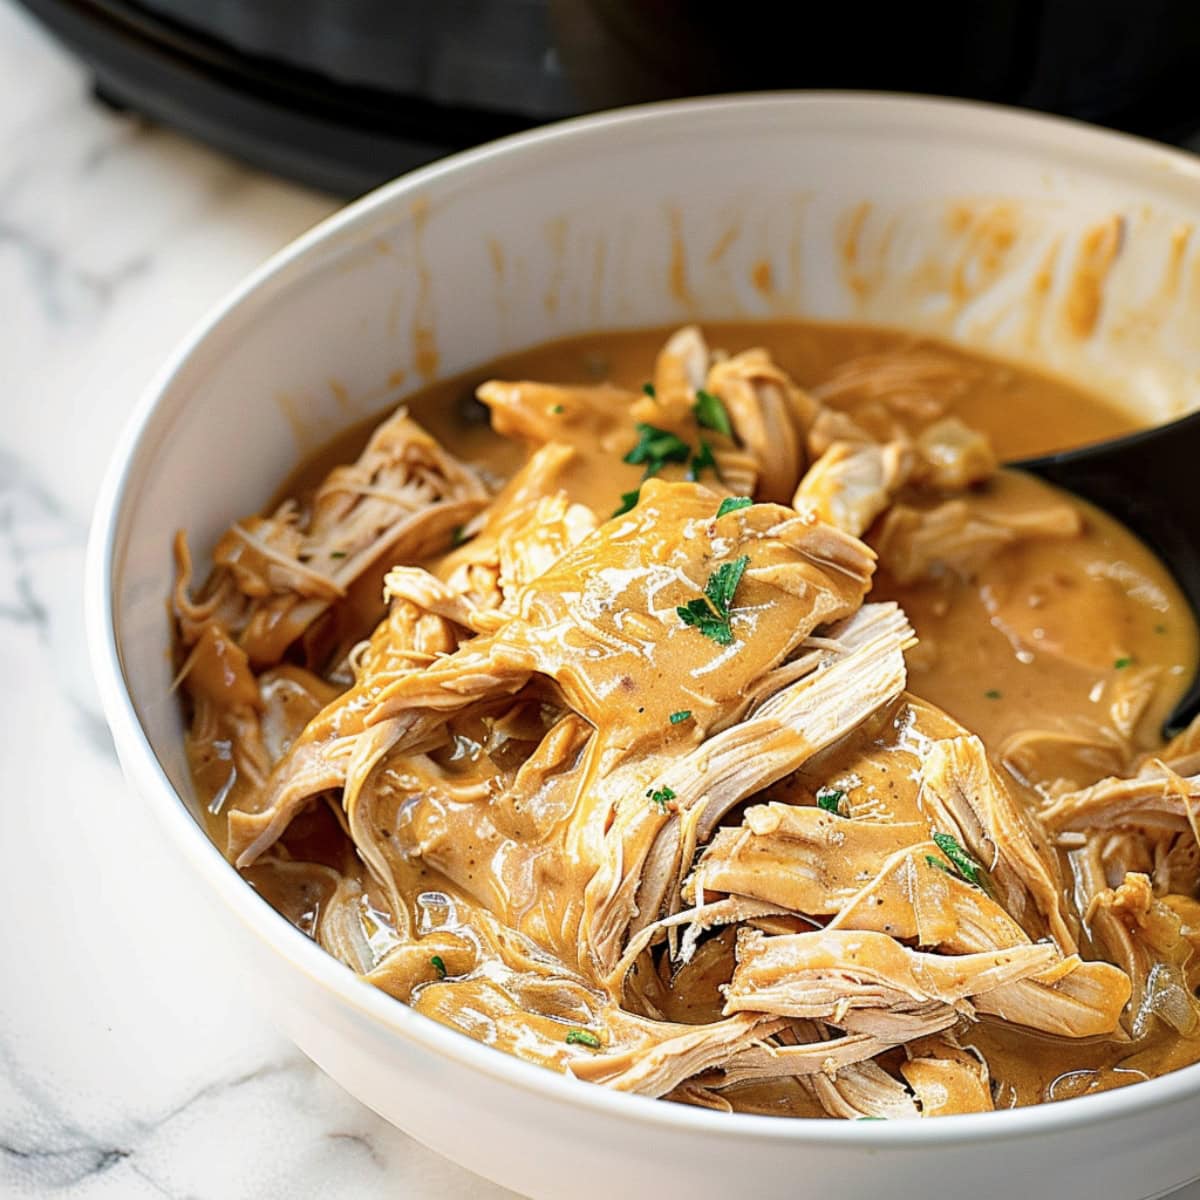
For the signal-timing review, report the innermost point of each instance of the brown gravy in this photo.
(1024, 413)
(1048, 635)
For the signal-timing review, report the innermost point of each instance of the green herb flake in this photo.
(830, 799)
(581, 1037)
(723, 583)
(648, 388)
(556, 409)
(438, 965)
(701, 461)
(1160, 628)
(698, 614)
(458, 535)
(964, 864)
(660, 796)
(655, 448)
(337, 554)
(993, 693)
(1122, 662)
(710, 613)
(628, 501)
(733, 503)
(678, 718)
(710, 413)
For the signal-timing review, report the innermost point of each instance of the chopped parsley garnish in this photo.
(993, 693)
(628, 500)
(556, 409)
(1160, 628)
(337, 554)
(581, 1037)
(655, 448)
(660, 796)
(733, 503)
(438, 965)
(963, 863)
(458, 535)
(648, 388)
(1123, 662)
(710, 413)
(677, 718)
(941, 865)
(710, 613)
(830, 799)
(700, 461)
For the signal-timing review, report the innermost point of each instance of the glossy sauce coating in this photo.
(1068, 637)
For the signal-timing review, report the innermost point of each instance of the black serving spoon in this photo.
(1150, 482)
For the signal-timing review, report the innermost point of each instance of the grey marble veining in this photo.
(129, 1067)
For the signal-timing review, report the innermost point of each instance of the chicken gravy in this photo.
(1041, 626)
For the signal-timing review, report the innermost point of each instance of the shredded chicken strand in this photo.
(613, 764)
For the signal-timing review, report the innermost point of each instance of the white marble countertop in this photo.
(128, 1065)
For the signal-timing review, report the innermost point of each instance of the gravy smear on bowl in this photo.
(707, 714)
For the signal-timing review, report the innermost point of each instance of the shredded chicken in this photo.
(963, 794)
(951, 456)
(832, 975)
(958, 537)
(276, 575)
(945, 1078)
(851, 484)
(1157, 797)
(611, 764)
(1146, 937)
(770, 416)
(920, 383)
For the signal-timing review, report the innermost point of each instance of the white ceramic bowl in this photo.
(1054, 243)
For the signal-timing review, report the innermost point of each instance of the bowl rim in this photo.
(1033, 133)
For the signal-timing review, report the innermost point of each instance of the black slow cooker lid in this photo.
(344, 94)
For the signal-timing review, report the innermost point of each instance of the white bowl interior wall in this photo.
(1046, 242)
